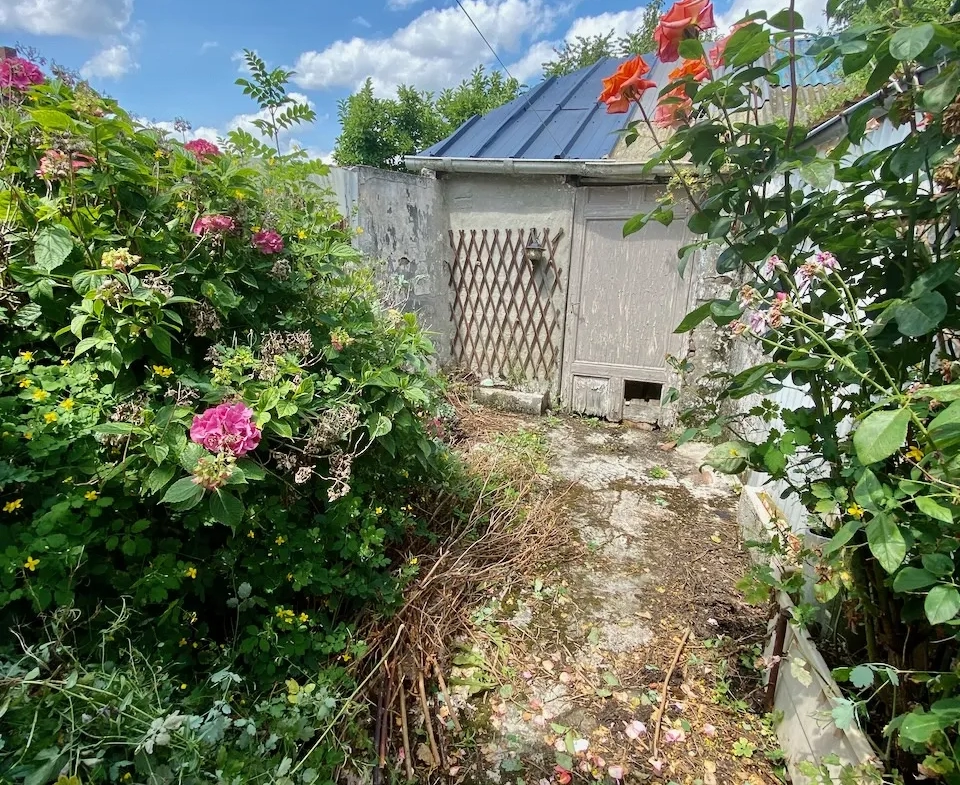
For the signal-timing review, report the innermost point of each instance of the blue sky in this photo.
(169, 58)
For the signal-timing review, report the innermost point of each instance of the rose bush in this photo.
(846, 265)
(211, 436)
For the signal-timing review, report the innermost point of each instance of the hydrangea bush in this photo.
(846, 262)
(211, 435)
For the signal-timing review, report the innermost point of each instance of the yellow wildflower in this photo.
(183, 641)
(91, 496)
(254, 229)
(67, 404)
(285, 615)
(28, 435)
(24, 383)
(163, 371)
(304, 618)
(915, 453)
(281, 540)
(16, 504)
(289, 576)
(26, 356)
(31, 563)
(64, 363)
(40, 395)
(183, 685)
(359, 230)
(191, 572)
(302, 234)
(379, 511)
(856, 510)
(127, 777)
(251, 534)
(414, 561)
(182, 205)
(50, 417)
(239, 195)
(345, 657)
(158, 154)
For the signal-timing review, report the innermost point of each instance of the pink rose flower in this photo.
(267, 241)
(202, 149)
(685, 18)
(213, 224)
(228, 427)
(19, 74)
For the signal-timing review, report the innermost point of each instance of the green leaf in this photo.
(886, 542)
(843, 712)
(52, 119)
(880, 435)
(380, 426)
(52, 247)
(782, 20)
(819, 173)
(694, 318)
(920, 726)
(920, 316)
(844, 534)
(725, 311)
(869, 492)
(934, 509)
(942, 603)
(181, 491)
(226, 508)
(938, 563)
(728, 457)
(912, 578)
(909, 42)
(691, 49)
(861, 677)
(941, 90)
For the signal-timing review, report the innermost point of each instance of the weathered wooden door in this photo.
(626, 298)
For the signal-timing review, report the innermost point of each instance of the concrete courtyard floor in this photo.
(565, 680)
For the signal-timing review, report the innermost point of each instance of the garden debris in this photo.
(634, 661)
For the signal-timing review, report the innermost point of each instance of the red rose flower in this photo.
(685, 19)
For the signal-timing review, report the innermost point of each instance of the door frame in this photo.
(634, 195)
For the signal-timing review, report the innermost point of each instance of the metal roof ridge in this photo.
(553, 112)
(529, 97)
(445, 143)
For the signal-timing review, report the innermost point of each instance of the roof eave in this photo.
(614, 170)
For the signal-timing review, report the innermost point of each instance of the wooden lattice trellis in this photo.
(504, 312)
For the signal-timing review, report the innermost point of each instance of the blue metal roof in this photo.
(560, 117)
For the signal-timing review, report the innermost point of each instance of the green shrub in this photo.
(143, 285)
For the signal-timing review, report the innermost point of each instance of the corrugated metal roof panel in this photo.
(560, 117)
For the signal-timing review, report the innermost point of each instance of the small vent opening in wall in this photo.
(641, 401)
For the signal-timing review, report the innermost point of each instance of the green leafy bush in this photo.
(846, 262)
(208, 423)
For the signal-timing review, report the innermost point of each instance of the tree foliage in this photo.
(587, 50)
(381, 131)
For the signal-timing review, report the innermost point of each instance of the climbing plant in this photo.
(846, 258)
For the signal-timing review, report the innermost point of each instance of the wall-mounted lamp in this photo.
(533, 250)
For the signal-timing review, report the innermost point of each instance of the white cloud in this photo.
(110, 63)
(75, 18)
(813, 12)
(206, 46)
(399, 5)
(621, 22)
(359, 20)
(437, 49)
(529, 68)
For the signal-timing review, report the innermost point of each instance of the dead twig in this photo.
(663, 693)
(445, 694)
(427, 721)
(405, 731)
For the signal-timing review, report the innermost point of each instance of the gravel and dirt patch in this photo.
(563, 680)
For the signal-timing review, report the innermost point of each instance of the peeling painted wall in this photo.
(404, 227)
